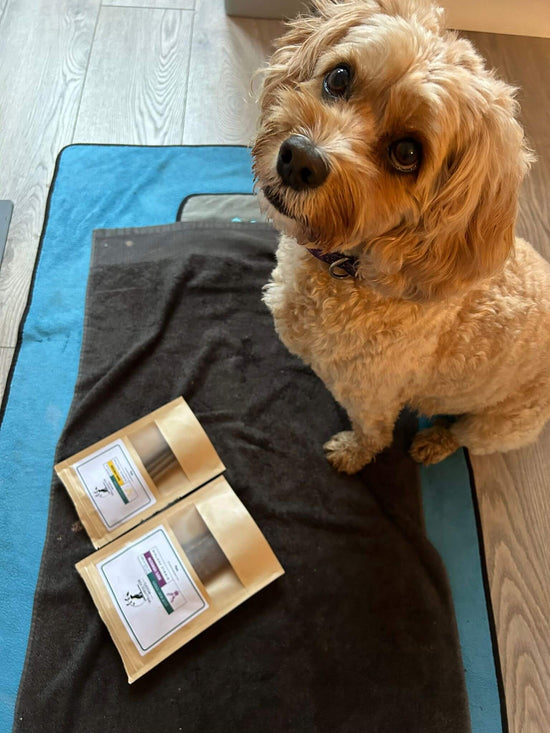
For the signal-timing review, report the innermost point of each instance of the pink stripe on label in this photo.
(154, 568)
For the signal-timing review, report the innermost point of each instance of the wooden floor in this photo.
(179, 71)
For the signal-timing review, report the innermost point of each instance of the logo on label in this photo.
(172, 595)
(101, 491)
(134, 599)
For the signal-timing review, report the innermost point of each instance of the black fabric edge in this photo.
(24, 315)
(4, 242)
(38, 586)
(488, 602)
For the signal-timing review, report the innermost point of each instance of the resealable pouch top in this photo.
(176, 574)
(134, 473)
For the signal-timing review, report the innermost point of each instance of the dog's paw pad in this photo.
(433, 445)
(345, 453)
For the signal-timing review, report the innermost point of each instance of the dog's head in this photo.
(384, 135)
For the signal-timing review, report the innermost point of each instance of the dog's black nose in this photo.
(300, 164)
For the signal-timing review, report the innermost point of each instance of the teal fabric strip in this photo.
(451, 525)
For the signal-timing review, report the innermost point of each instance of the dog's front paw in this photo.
(346, 453)
(433, 445)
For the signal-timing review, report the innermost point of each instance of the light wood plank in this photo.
(43, 55)
(514, 489)
(6, 356)
(162, 4)
(135, 86)
(514, 500)
(226, 52)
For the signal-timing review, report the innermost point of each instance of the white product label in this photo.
(114, 484)
(151, 589)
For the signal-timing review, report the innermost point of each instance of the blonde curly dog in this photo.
(385, 144)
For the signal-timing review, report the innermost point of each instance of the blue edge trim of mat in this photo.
(112, 186)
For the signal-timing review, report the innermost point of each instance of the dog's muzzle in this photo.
(300, 164)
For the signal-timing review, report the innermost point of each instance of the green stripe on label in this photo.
(158, 590)
(117, 487)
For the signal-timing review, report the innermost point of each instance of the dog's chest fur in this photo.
(344, 330)
(435, 356)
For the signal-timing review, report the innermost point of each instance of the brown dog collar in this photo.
(340, 266)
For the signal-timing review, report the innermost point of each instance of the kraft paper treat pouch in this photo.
(176, 574)
(132, 474)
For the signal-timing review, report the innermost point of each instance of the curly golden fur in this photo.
(449, 313)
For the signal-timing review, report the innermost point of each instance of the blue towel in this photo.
(119, 186)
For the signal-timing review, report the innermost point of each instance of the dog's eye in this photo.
(405, 155)
(337, 83)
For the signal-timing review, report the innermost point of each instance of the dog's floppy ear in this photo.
(475, 207)
(466, 218)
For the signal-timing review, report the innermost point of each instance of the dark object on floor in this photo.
(6, 209)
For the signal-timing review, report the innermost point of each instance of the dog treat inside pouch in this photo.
(125, 478)
(169, 579)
